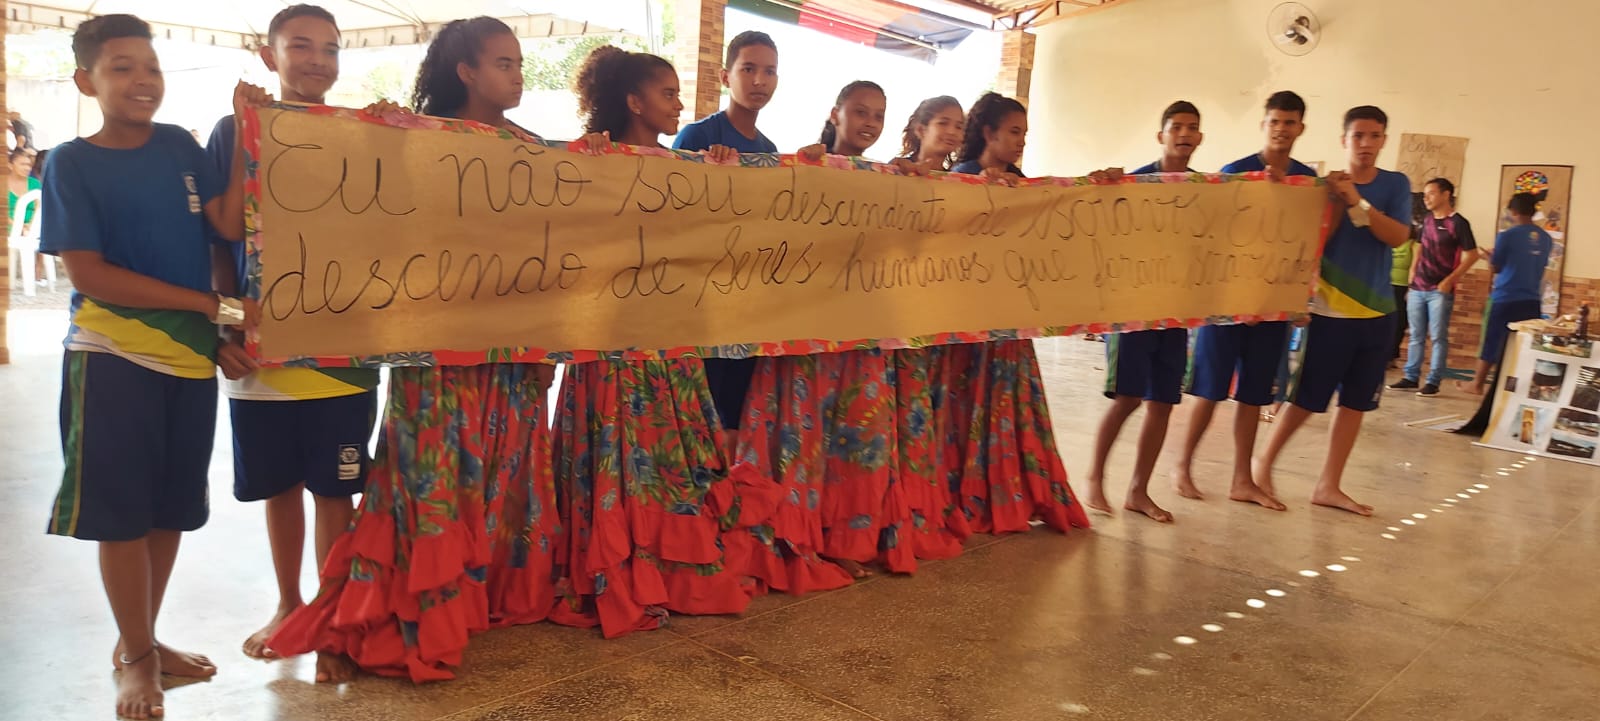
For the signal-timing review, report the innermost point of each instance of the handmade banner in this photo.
(381, 244)
(1549, 398)
(1425, 157)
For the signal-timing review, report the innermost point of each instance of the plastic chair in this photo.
(24, 243)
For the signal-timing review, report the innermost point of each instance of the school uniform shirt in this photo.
(276, 384)
(716, 129)
(1253, 164)
(142, 209)
(1521, 253)
(1439, 248)
(1354, 278)
(971, 167)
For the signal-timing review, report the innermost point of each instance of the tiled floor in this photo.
(1486, 608)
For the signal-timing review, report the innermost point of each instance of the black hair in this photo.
(605, 81)
(1286, 100)
(1523, 204)
(93, 34)
(744, 40)
(1445, 186)
(1365, 112)
(439, 90)
(986, 114)
(1181, 107)
(38, 165)
(20, 151)
(298, 11)
(910, 143)
(830, 132)
(23, 133)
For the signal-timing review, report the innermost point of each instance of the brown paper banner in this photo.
(389, 244)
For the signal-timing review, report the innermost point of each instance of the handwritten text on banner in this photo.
(382, 240)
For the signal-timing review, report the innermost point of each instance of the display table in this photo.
(1548, 403)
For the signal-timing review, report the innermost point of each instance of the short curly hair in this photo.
(605, 81)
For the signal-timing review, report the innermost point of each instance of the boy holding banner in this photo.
(1147, 365)
(1347, 343)
(751, 75)
(294, 429)
(1242, 360)
(132, 209)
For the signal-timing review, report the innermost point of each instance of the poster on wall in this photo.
(1552, 185)
(1425, 157)
(1549, 401)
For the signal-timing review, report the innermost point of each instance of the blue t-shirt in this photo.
(1252, 164)
(142, 209)
(1354, 278)
(1521, 253)
(971, 167)
(715, 129)
(1152, 169)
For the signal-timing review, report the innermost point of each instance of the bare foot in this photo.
(256, 645)
(1337, 499)
(139, 688)
(173, 662)
(1141, 503)
(335, 668)
(1469, 387)
(1262, 473)
(1097, 499)
(854, 568)
(1250, 493)
(1183, 484)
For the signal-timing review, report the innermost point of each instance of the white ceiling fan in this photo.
(1293, 29)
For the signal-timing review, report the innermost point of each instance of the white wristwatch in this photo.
(1360, 214)
(229, 311)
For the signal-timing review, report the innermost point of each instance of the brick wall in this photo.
(699, 53)
(1016, 65)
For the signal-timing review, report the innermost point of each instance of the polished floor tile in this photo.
(1481, 608)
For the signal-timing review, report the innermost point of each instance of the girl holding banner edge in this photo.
(1001, 453)
(458, 529)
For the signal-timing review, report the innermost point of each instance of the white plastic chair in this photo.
(24, 243)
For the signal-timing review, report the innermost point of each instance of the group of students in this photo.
(665, 486)
(685, 485)
(1350, 336)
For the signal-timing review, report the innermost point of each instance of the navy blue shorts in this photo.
(137, 445)
(1347, 355)
(1495, 332)
(322, 443)
(1253, 353)
(729, 381)
(1147, 364)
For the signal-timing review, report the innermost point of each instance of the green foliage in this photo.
(552, 64)
(388, 81)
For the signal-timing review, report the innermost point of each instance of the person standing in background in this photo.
(1445, 251)
(1400, 280)
(1518, 260)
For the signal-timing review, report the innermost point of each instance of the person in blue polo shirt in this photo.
(1242, 360)
(1146, 365)
(1518, 260)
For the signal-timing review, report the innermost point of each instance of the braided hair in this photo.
(605, 81)
(986, 114)
(439, 90)
(910, 142)
(830, 131)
